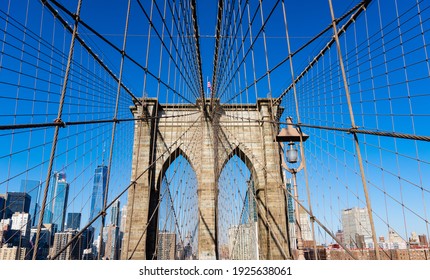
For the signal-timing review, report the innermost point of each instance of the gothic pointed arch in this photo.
(172, 157)
(245, 158)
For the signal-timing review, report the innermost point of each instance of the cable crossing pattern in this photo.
(153, 129)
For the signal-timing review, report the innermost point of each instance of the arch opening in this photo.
(237, 209)
(177, 209)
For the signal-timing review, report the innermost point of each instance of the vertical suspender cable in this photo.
(57, 128)
(302, 152)
(114, 124)
(357, 146)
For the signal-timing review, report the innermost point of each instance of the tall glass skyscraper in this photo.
(290, 206)
(99, 191)
(56, 206)
(115, 214)
(32, 187)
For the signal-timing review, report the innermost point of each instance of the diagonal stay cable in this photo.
(248, 51)
(362, 8)
(183, 29)
(166, 48)
(279, 64)
(251, 47)
(305, 209)
(172, 42)
(154, 212)
(82, 42)
(346, 130)
(56, 132)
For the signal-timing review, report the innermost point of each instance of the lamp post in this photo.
(292, 135)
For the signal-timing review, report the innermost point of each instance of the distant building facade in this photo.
(423, 240)
(55, 212)
(13, 253)
(166, 246)
(123, 215)
(2, 206)
(73, 221)
(115, 214)
(395, 241)
(111, 242)
(21, 222)
(243, 238)
(46, 239)
(340, 236)
(242, 245)
(305, 225)
(33, 188)
(17, 202)
(72, 252)
(356, 228)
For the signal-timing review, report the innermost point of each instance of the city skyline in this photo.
(354, 220)
(360, 220)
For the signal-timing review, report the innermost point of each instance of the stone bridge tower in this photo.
(207, 140)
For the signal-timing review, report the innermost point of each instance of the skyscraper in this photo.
(57, 203)
(97, 197)
(242, 242)
(73, 221)
(2, 206)
(115, 214)
(250, 205)
(340, 236)
(356, 223)
(110, 236)
(21, 222)
(17, 202)
(123, 215)
(123, 218)
(45, 241)
(32, 187)
(305, 225)
(290, 202)
(166, 245)
(290, 212)
(13, 253)
(72, 252)
(243, 238)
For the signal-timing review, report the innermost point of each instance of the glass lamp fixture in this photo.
(292, 153)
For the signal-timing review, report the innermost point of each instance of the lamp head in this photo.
(292, 153)
(290, 133)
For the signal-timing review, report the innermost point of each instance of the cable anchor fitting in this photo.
(60, 122)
